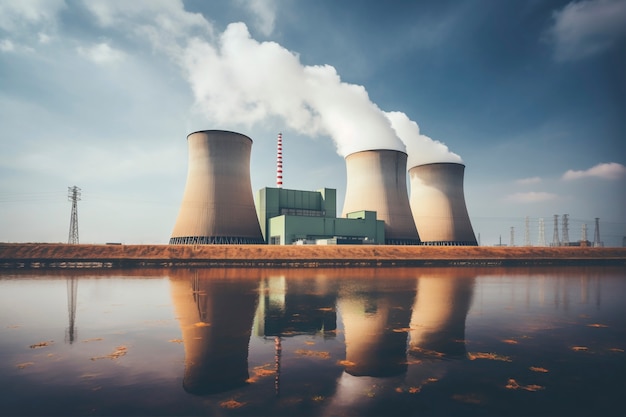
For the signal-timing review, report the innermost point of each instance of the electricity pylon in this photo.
(73, 195)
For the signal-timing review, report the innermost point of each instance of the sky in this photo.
(529, 95)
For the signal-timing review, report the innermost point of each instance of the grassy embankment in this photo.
(50, 255)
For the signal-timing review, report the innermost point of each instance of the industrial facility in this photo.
(218, 206)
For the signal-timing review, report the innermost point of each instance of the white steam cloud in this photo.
(242, 81)
(420, 148)
(239, 81)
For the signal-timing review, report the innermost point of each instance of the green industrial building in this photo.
(291, 217)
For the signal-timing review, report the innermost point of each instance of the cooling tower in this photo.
(218, 206)
(438, 205)
(376, 181)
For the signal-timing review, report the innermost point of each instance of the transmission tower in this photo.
(542, 234)
(555, 235)
(596, 234)
(527, 232)
(512, 243)
(73, 195)
(565, 239)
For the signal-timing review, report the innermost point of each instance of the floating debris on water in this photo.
(402, 330)
(24, 365)
(41, 344)
(486, 355)
(231, 404)
(538, 369)
(510, 341)
(513, 384)
(314, 353)
(426, 352)
(119, 352)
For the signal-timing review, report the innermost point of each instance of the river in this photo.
(536, 341)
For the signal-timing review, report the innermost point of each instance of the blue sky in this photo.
(530, 95)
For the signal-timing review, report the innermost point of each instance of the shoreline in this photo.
(116, 256)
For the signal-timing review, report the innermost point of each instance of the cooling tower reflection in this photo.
(429, 306)
(375, 320)
(438, 316)
(215, 310)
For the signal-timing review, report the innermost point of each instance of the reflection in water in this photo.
(72, 290)
(375, 318)
(438, 317)
(304, 305)
(298, 306)
(379, 312)
(334, 331)
(215, 310)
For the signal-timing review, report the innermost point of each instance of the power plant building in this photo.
(438, 205)
(310, 217)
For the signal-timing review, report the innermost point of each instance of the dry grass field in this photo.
(44, 251)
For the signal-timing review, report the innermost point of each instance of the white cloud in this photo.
(168, 16)
(584, 28)
(609, 171)
(264, 12)
(44, 38)
(7, 46)
(101, 53)
(16, 14)
(531, 197)
(528, 181)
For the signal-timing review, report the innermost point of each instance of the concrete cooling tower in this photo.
(438, 205)
(218, 205)
(376, 181)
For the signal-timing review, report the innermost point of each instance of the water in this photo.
(313, 342)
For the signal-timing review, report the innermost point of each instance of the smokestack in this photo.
(376, 181)
(218, 206)
(279, 161)
(438, 205)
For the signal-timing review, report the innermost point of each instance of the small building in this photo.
(310, 217)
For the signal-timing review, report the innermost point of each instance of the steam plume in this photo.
(421, 149)
(240, 80)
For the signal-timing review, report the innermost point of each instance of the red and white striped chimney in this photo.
(279, 161)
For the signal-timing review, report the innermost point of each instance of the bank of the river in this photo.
(44, 255)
